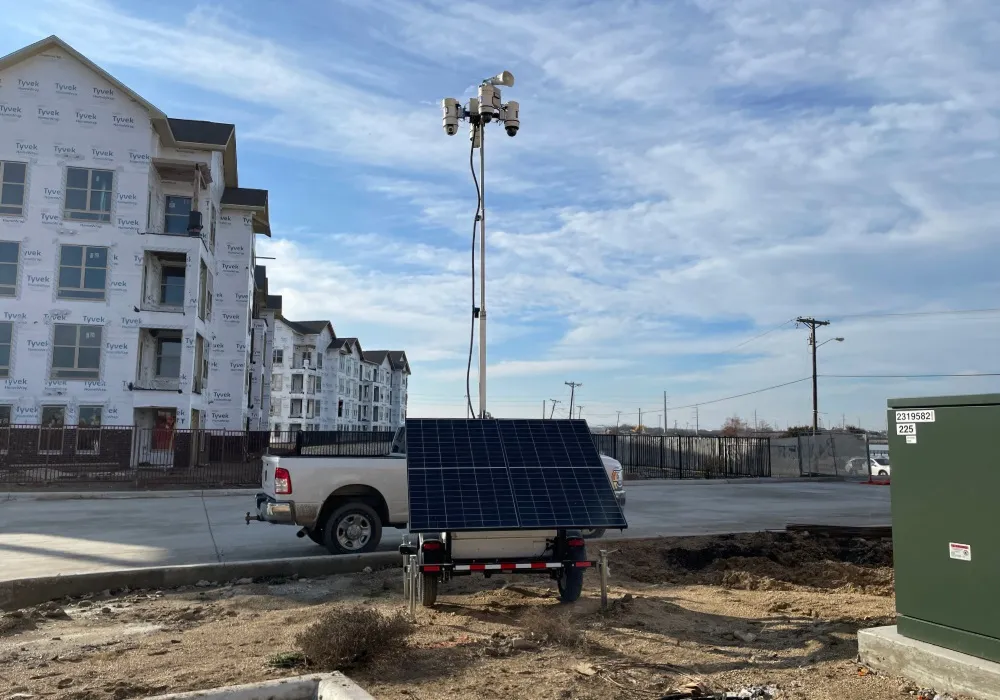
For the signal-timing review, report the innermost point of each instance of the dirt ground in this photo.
(732, 612)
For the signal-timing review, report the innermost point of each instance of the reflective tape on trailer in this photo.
(506, 566)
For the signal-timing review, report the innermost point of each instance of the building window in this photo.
(12, 177)
(88, 434)
(309, 408)
(50, 436)
(316, 409)
(168, 356)
(6, 335)
(319, 360)
(375, 414)
(204, 294)
(278, 357)
(340, 408)
(76, 352)
(89, 194)
(10, 254)
(376, 393)
(275, 382)
(83, 272)
(177, 215)
(294, 428)
(296, 408)
(200, 365)
(297, 382)
(319, 384)
(172, 285)
(211, 227)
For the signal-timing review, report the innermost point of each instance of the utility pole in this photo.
(697, 425)
(813, 324)
(579, 412)
(755, 423)
(618, 421)
(664, 411)
(638, 428)
(554, 402)
(572, 391)
(543, 409)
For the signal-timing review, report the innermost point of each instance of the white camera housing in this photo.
(489, 102)
(450, 114)
(510, 114)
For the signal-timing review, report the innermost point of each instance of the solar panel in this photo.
(457, 476)
(506, 474)
(558, 477)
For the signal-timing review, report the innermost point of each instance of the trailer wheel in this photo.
(594, 533)
(571, 578)
(429, 590)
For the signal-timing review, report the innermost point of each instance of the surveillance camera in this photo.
(450, 112)
(489, 102)
(511, 117)
(506, 78)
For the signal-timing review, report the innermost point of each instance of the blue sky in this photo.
(688, 175)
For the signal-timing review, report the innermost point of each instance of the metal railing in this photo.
(687, 456)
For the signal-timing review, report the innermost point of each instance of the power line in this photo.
(749, 393)
(761, 335)
(909, 376)
(949, 312)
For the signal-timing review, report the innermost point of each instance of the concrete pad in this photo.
(22, 593)
(324, 686)
(944, 670)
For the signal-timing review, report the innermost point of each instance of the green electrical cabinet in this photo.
(945, 457)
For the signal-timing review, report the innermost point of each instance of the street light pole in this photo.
(813, 325)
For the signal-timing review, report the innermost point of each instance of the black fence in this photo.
(687, 456)
(130, 457)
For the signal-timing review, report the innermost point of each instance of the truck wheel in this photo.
(353, 528)
(594, 533)
(429, 590)
(571, 579)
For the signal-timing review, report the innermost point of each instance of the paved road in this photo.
(48, 537)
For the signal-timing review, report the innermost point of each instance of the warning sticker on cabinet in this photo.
(960, 551)
(911, 439)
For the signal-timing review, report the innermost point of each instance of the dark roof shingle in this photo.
(193, 131)
(376, 356)
(274, 302)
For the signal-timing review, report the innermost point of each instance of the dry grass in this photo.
(343, 639)
(546, 626)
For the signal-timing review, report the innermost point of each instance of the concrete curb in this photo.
(90, 495)
(25, 592)
(636, 483)
(325, 686)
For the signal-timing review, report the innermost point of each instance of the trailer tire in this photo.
(594, 533)
(429, 590)
(337, 532)
(570, 580)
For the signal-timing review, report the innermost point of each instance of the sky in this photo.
(689, 178)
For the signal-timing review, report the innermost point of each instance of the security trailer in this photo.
(503, 497)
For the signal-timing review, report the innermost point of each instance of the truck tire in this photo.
(353, 528)
(429, 590)
(594, 533)
(570, 580)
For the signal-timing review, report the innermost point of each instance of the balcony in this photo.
(164, 282)
(159, 361)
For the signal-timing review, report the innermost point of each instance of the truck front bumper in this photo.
(620, 495)
(274, 511)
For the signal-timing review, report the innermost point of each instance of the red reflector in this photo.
(507, 567)
(432, 568)
(575, 542)
(538, 565)
(477, 567)
(582, 564)
(431, 545)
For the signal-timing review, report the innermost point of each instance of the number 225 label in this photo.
(906, 428)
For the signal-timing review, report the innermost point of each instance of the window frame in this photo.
(170, 265)
(23, 184)
(78, 327)
(302, 384)
(277, 381)
(92, 215)
(278, 356)
(17, 271)
(92, 432)
(167, 216)
(291, 409)
(64, 292)
(46, 433)
(5, 369)
(159, 356)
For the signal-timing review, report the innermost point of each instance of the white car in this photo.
(879, 466)
(343, 503)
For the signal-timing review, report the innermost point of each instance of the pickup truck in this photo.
(343, 502)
